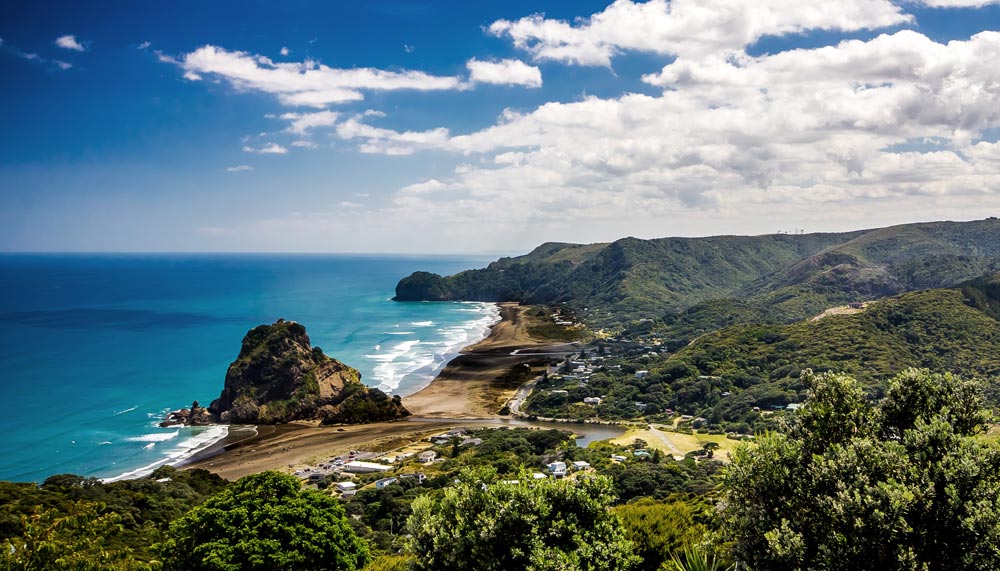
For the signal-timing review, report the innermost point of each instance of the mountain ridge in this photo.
(720, 280)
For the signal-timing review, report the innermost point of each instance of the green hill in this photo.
(758, 365)
(689, 286)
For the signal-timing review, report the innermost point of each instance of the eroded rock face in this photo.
(280, 377)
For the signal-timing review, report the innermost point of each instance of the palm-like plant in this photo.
(693, 559)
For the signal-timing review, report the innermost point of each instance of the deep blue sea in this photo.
(94, 349)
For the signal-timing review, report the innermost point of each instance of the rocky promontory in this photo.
(280, 377)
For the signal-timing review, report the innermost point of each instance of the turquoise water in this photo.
(95, 349)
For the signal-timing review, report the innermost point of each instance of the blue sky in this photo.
(442, 127)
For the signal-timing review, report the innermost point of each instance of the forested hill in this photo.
(693, 285)
(948, 330)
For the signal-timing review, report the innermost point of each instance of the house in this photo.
(471, 442)
(557, 469)
(538, 476)
(418, 476)
(427, 456)
(581, 465)
(640, 453)
(358, 467)
(560, 392)
(379, 484)
(592, 400)
(347, 489)
(641, 374)
(794, 406)
(856, 305)
(618, 458)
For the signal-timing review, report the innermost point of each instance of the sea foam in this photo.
(408, 366)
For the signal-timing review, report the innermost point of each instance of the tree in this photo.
(265, 522)
(483, 524)
(902, 485)
(660, 529)
(76, 540)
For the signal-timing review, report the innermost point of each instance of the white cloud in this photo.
(409, 49)
(269, 149)
(305, 144)
(426, 187)
(793, 136)
(69, 42)
(145, 45)
(239, 168)
(302, 123)
(349, 204)
(285, 51)
(389, 142)
(687, 27)
(33, 57)
(504, 72)
(306, 83)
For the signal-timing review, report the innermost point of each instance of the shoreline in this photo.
(466, 389)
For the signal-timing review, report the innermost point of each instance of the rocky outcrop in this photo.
(279, 377)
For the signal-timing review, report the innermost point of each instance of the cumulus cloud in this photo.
(687, 27)
(269, 149)
(239, 168)
(302, 123)
(306, 83)
(285, 51)
(504, 72)
(732, 136)
(69, 42)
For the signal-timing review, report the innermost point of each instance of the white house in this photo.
(427, 456)
(592, 400)
(557, 469)
(347, 489)
(581, 465)
(379, 484)
(358, 467)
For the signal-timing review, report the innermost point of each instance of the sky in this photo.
(403, 126)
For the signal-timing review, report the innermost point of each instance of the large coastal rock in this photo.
(280, 377)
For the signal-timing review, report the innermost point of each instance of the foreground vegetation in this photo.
(848, 482)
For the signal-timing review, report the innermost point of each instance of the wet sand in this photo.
(468, 386)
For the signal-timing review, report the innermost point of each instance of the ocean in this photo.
(95, 349)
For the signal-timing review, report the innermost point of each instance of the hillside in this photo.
(725, 375)
(692, 285)
(952, 330)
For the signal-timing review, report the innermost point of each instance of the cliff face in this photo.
(280, 377)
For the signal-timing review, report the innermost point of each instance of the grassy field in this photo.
(676, 443)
